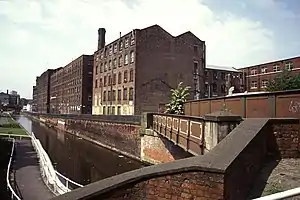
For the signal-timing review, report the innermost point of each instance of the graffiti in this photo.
(294, 106)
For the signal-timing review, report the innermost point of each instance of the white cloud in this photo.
(58, 30)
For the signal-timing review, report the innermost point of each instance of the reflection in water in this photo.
(76, 158)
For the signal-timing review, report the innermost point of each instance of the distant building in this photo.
(134, 73)
(34, 99)
(71, 87)
(4, 99)
(219, 79)
(41, 92)
(257, 77)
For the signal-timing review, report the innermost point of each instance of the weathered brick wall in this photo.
(287, 137)
(124, 137)
(184, 186)
(156, 149)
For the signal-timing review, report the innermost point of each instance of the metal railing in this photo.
(13, 194)
(55, 181)
(281, 195)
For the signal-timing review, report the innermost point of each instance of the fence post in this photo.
(244, 106)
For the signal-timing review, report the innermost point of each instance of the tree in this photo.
(178, 98)
(284, 81)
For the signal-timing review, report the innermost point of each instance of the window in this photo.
(223, 75)
(114, 79)
(253, 84)
(126, 60)
(119, 110)
(132, 40)
(253, 71)
(215, 88)
(131, 75)
(119, 78)
(289, 66)
(114, 95)
(104, 110)
(104, 96)
(132, 57)
(108, 110)
(121, 45)
(264, 83)
(109, 95)
(125, 94)
(101, 55)
(96, 83)
(105, 81)
(105, 66)
(120, 61)
(131, 94)
(97, 69)
(110, 50)
(276, 68)
(115, 63)
(100, 82)
(195, 67)
(109, 65)
(101, 68)
(113, 110)
(109, 80)
(223, 88)
(125, 76)
(195, 49)
(126, 42)
(119, 95)
(115, 48)
(215, 75)
(264, 70)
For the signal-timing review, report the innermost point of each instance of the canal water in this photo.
(76, 158)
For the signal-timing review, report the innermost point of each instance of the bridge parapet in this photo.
(228, 171)
(196, 135)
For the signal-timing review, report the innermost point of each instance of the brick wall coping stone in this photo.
(222, 116)
(216, 161)
(286, 92)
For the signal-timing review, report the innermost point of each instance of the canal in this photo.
(76, 158)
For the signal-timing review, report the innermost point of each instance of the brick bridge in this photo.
(213, 175)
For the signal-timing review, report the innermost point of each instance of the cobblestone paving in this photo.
(278, 176)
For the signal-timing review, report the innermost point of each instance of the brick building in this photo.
(135, 73)
(219, 79)
(257, 77)
(41, 94)
(71, 87)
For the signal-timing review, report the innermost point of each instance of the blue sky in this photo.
(40, 34)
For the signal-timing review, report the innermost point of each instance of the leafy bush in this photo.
(178, 98)
(284, 81)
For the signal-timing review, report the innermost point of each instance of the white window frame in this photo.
(253, 84)
(276, 68)
(253, 72)
(132, 56)
(126, 59)
(264, 70)
(264, 83)
(126, 43)
(289, 66)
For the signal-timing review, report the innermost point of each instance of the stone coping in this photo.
(216, 161)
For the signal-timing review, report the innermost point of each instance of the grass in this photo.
(10, 126)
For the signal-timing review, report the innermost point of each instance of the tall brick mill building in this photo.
(135, 73)
(71, 87)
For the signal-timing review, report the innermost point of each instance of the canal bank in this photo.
(76, 158)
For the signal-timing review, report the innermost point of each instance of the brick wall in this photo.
(286, 137)
(183, 186)
(124, 137)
